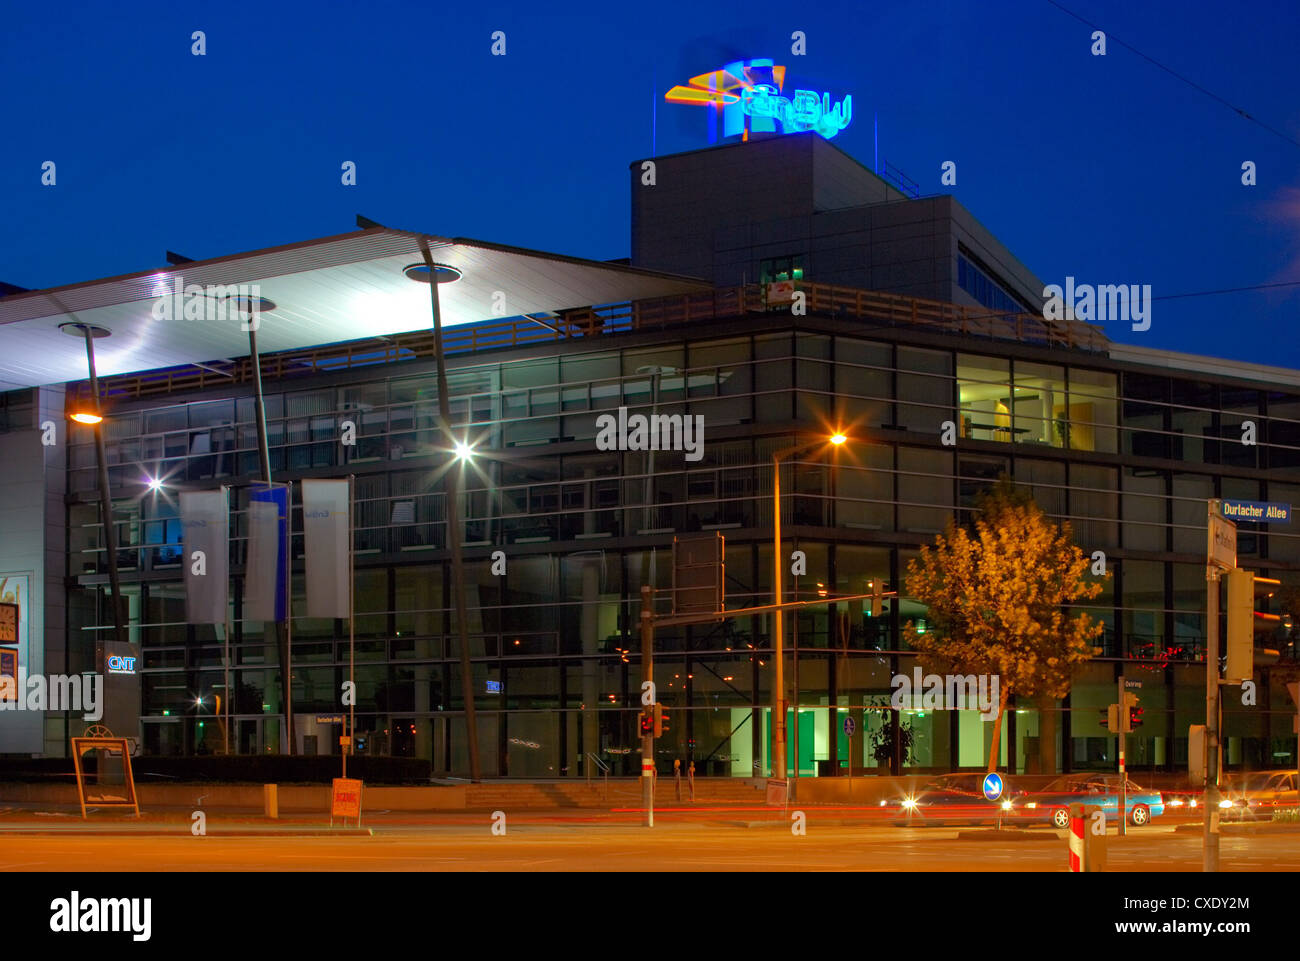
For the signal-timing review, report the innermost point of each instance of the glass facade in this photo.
(1125, 456)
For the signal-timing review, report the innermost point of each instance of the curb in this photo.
(1266, 827)
(182, 831)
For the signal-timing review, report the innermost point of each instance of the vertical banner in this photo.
(327, 528)
(205, 527)
(265, 577)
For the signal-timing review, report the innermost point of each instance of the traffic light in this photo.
(1109, 717)
(647, 723)
(660, 721)
(1132, 714)
(1244, 622)
(877, 597)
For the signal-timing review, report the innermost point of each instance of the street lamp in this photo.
(93, 417)
(778, 626)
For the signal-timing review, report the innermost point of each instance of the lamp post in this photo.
(94, 418)
(778, 624)
(435, 274)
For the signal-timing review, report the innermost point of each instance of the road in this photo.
(670, 846)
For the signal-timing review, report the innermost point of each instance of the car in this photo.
(1255, 796)
(951, 799)
(1052, 804)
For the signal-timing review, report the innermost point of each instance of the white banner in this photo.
(327, 525)
(262, 571)
(205, 535)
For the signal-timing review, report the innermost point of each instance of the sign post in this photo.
(1221, 555)
(849, 727)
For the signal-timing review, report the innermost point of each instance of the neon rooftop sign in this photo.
(745, 95)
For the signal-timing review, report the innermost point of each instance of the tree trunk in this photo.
(1047, 720)
(997, 730)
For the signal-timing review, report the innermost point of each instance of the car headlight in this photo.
(1176, 802)
(1225, 803)
(1032, 804)
(1006, 805)
(909, 803)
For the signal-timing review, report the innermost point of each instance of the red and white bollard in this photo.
(1078, 841)
(1087, 839)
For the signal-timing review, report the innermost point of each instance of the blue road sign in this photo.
(849, 726)
(1257, 512)
(993, 786)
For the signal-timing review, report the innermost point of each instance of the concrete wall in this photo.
(718, 213)
(23, 539)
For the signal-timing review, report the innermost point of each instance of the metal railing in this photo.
(604, 768)
(640, 315)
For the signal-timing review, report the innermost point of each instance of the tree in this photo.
(996, 592)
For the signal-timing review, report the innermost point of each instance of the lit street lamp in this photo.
(778, 625)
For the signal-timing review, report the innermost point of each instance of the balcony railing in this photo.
(665, 313)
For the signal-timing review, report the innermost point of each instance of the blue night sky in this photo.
(1104, 168)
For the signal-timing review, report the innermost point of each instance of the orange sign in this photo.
(346, 799)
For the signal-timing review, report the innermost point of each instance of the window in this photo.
(777, 269)
(924, 389)
(1144, 509)
(1039, 409)
(984, 395)
(986, 290)
(1092, 411)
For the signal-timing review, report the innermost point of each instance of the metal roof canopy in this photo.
(346, 287)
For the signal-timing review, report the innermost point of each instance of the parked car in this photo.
(1052, 804)
(952, 799)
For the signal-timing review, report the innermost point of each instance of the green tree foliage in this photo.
(996, 591)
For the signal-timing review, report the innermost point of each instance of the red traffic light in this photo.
(660, 721)
(647, 724)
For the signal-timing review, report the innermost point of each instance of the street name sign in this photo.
(1222, 548)
(1258, 512)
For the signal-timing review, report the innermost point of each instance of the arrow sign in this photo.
(993, 786)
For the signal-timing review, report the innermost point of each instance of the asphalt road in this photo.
(670, 846)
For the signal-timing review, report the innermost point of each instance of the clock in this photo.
(8, 623)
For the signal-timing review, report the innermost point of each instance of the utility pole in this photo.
(648, 674)
(1121, 731)
(1221, 554)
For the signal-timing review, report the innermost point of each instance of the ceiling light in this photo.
(445, 273)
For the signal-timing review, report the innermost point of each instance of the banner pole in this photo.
(225, 496)
(288, 616)
(352, 621)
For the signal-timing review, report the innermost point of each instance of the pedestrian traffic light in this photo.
(660, 721)
(1135, 717)
(1244, 622)
(647, 723)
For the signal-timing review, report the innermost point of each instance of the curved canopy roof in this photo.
(346, 287)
